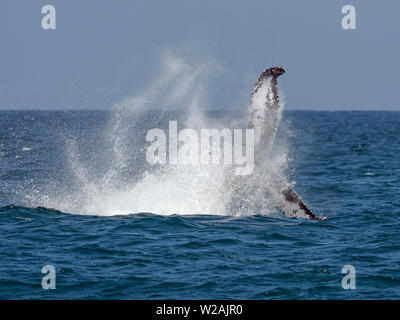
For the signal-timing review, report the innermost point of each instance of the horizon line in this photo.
(210, 109)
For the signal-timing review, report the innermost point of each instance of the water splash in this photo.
(126, 184)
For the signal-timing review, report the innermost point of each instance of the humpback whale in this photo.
(264, 117)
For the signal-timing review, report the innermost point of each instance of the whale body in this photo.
(264, 116)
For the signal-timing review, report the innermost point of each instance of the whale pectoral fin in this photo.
(294, 199)
(264, 108)
(264, 116)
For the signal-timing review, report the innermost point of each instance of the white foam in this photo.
(172, 189)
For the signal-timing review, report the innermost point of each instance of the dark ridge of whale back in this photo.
(293, 197)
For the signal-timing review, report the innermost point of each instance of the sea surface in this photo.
(58, 208)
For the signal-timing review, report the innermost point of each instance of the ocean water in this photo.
(76, 193)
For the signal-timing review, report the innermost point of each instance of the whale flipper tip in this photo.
(274, 72)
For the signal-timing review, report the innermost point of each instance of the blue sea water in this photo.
(346, 167)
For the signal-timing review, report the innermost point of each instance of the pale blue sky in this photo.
(103, 51)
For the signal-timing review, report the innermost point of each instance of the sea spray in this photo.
(123, 182)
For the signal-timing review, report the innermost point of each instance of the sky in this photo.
(104, 51)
